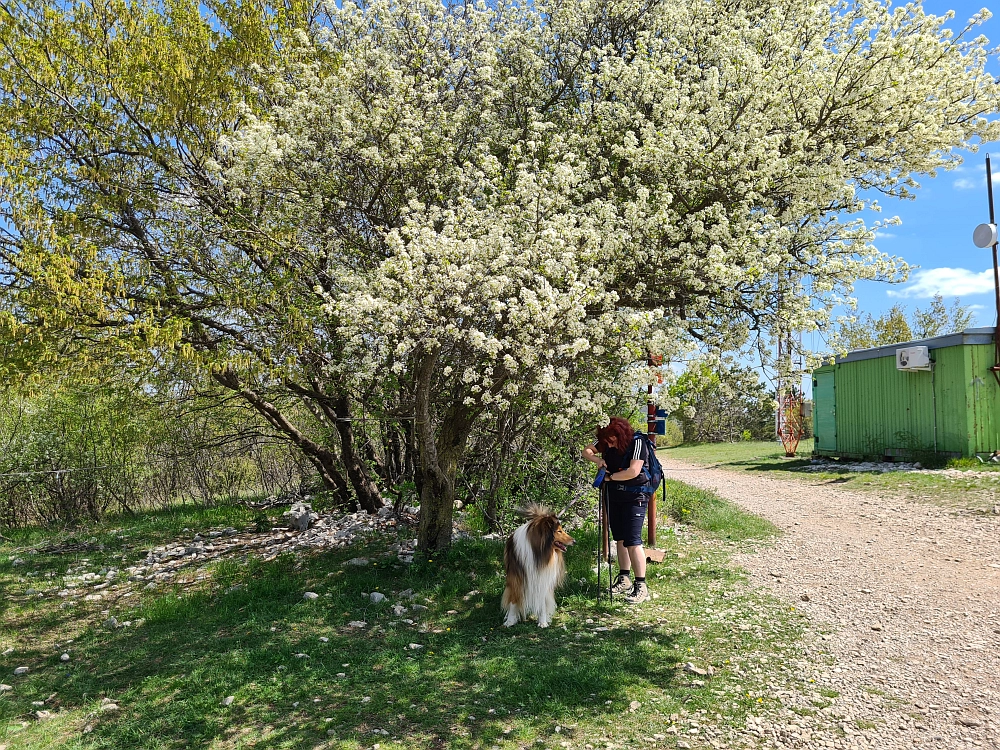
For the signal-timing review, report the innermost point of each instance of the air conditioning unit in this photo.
(913, 358)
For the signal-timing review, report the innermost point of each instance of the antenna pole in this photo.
(996, 276)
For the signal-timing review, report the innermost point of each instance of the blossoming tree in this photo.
(415, 211)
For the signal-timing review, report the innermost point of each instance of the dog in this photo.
(533, 562)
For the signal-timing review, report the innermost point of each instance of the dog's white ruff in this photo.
(540, 581)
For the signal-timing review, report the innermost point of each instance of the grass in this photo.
(706, 510)
(301, 676)
(970, 485)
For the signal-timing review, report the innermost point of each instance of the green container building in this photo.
(884, 403)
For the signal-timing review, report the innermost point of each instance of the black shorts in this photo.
(625, 518)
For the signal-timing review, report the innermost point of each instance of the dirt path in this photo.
(908, 596)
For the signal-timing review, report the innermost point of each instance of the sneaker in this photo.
(622, 585)
(638, 594)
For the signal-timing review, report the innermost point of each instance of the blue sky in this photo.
(936, 229)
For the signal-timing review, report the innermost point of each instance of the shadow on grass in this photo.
(452, 678)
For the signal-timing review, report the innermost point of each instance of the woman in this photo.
(624, 455)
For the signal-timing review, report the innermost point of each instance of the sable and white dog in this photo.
(533, 561)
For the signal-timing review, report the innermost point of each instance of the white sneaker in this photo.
(639, 593)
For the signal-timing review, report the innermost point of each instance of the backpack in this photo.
(652, 469)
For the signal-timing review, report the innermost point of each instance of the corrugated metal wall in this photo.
(879, 410)
(981, 400)
(879, 407)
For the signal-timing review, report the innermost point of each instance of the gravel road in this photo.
(902, 600)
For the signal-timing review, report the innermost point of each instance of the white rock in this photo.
(228, 700)
(110, 708)
(20, 671)
(64, 657)
(415, 647)
(376, 597)
(310, 595)
(301, 656)
(357, 561)
(300, 516)
(357, 624)
(5, 688)
(111, 622)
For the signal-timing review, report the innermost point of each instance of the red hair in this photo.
(621, 429)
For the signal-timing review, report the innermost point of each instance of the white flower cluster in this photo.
(536, 197)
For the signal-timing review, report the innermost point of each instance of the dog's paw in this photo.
(509, 622)
(543, 623)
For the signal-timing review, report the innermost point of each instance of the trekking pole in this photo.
(607, 541)
(598, 483)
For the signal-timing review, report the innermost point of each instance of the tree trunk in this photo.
(324, 459)
(367, 491)
(439, 458)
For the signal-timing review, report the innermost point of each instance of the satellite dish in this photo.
(985, 235)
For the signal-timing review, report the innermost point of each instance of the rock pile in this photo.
(176, 561)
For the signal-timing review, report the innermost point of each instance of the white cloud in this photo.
(948, 282)
(963, 183)
(883, 235)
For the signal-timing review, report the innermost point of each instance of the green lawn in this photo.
(958, 484)
(300, 676)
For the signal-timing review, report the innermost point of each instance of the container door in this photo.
(825, 412)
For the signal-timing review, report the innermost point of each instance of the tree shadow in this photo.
(247, 635)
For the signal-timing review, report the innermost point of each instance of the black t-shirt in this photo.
(619, 461)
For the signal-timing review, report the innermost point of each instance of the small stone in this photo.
(969, 721)
(415, 647)
(358, 562)
(376, 597)
(341, 675)
(324, 639)
(228, 700)
(310, 595)
(689, 667)
(804, 597)
(877, 627)
(357, 624)
(301, 656)
(110, 708)
(683, 744)
(43, 715)
(5, 688)
(634, 706)
(111, 622)
(398, 609)
(31, 592)
(20, 671)
(418, 608)
(9, 651)
(64, 657)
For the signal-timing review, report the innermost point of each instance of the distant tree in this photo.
(893, 327)
(720, 401)
(938, 319)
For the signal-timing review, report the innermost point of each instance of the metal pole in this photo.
(996, 276)
(600, 543)
(651, 434)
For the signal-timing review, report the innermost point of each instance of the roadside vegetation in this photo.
(444, 673)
